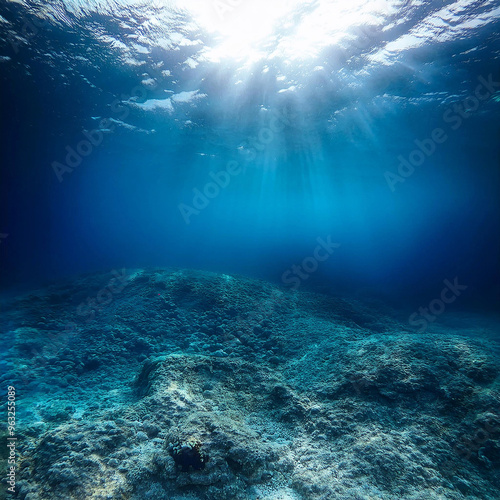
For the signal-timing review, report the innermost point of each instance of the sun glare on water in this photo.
(293, 29)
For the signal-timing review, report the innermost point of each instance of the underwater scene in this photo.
(250, 250)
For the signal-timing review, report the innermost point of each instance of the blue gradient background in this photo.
(322, 175)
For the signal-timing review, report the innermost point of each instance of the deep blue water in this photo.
(312, 133)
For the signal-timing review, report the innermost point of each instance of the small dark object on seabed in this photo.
(189, 456)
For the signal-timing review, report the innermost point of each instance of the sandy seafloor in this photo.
(180, 384)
